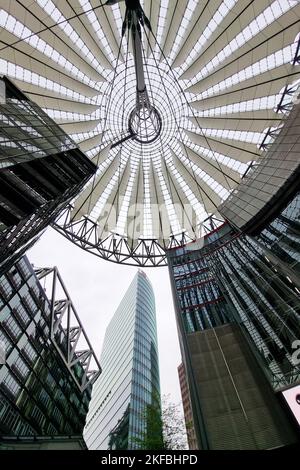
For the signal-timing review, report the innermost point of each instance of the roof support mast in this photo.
(144, 123)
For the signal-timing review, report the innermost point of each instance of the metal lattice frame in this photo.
(115, 248)
(67, 333)
(216, 73)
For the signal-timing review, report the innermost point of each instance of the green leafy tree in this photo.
(164, 427)
(152, 437)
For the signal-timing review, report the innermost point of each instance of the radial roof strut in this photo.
(173, 100)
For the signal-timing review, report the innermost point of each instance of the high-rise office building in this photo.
(130, 378)
(187, 408)
(41, 170)
(48, 365)
(233, 403)
(237, 301)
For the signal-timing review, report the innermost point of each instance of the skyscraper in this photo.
(241, 280)
(41, 171)
(48, 367)
(233, 403)
(187, 408)
(130, 378)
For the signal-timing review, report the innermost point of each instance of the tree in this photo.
(174, 431)
(164, 427)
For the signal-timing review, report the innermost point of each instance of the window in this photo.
(51, 430)
(15, 277)
(24, 269)
(9, 419)
(57, 415)
(44, 398)
(29, 352)
(5, 287)
(38, 416)
(12, 385)
(20, 367)
(21, 314)
(12, 327)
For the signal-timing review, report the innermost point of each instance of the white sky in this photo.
(97, 287)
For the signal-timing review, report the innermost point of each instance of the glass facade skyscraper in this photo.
(265, 297)
(241, 280)
(41, 171)
(235, 277)
(236, 346)
(130, 378)
(42, 395)
(250, 281)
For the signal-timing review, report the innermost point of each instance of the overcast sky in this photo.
(97, 287)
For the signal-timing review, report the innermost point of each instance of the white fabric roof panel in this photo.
(90, 143)
(176, 10)
(161, 226)
(107, 22)
(269, 38)
(216, 94)
(263, 119)
(32, 60)
(241, 95)
(73, 127)
(240, 151)
(51, 37)
(180, 201)
(135, 221)
(152, 9)
(33, 11)
(45, 100)
(87, 200)
(111, 210)
(219, 172)
(203, 14)
(201, 190)
(281, 72)
(84, 30)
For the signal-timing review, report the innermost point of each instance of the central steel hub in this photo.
(145, 124)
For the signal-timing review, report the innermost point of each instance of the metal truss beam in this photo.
(67, 333)
(114, 248)
(282, 106)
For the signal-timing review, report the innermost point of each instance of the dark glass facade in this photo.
(27, 132)
(259, 276)
(267, 188)
(42, 443)
(38, 394)
(130, 378)
(281, 240)
(41, 171)
(248, 281)
(234, 406)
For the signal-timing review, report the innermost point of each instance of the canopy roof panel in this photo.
(215, 74)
